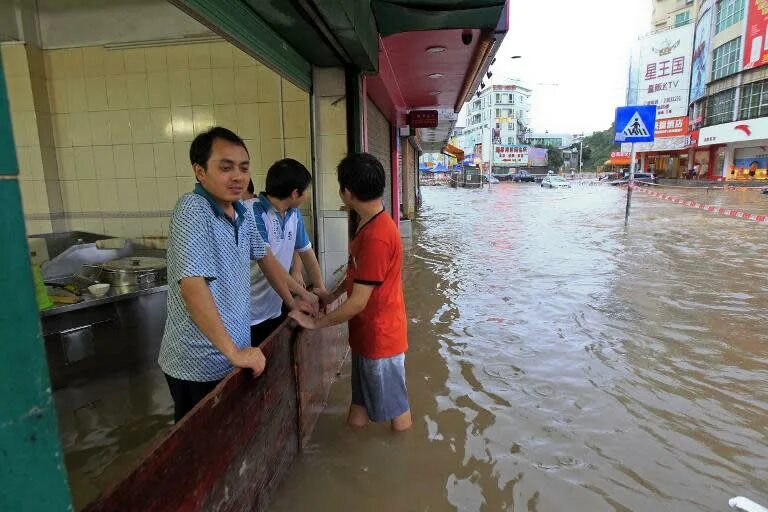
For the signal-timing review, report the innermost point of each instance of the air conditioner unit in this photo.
(405, 131)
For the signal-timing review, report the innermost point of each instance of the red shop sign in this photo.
(422, 118)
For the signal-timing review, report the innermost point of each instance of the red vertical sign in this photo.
(756, 44)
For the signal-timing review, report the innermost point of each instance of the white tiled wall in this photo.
(121, 121)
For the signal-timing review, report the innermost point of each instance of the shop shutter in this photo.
(379, 145)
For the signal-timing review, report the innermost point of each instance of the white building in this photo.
(505, 106)
(555, 140)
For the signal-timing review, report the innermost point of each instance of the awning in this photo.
(454, 152)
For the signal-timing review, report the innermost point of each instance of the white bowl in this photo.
(99, 289)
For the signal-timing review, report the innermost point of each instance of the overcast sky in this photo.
(584, 47)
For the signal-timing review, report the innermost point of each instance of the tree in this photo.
(555, 157)
(598, 148)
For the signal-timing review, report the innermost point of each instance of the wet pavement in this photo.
(559, 361)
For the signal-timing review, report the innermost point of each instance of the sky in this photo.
(582, 46)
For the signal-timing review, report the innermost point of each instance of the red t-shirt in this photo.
(376, 258)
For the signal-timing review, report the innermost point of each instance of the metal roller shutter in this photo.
(379, 137)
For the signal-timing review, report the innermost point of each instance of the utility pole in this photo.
(490, 166)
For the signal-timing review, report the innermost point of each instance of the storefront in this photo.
(737, 150)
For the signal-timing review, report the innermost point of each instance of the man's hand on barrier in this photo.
(326, 297)
(303, 319)
(251, 357)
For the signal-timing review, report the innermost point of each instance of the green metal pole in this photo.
(32, 473)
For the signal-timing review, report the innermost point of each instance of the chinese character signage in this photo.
(701, 48)
(756, 42)
(663, 74)
(671, 127)
(422, 118)
(620, 158)
(510, 155)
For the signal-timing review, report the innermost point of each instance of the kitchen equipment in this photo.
(74, 257)
(99, 289)
(132, 271)
(38, 250)
(41, 295)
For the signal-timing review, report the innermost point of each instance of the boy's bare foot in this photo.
(358, 417)
(402, 422)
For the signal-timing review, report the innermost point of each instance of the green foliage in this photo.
(554, 155)
(598, 148)
(555, 158)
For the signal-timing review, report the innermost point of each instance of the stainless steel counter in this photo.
(113, 295)
(99, 336)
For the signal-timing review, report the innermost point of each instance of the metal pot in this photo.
(133, 271)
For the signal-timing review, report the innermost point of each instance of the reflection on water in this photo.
(107, 424)
(560, 362)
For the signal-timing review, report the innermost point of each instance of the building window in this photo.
(720, 107)
(754, 100)
(498, 98)
(728, 13)
(498, 112)
(725, 59)
(682, 18)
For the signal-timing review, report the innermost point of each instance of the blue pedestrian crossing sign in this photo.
(635, 123)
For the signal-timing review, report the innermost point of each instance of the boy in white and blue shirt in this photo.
(281, 226)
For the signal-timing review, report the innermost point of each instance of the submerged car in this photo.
(641, 177)
(521, 176)
(555, 182)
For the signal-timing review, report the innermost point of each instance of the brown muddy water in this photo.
(560, 362)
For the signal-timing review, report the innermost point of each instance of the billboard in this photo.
(537, 157)
(510, 155)
(702, 45)
(664, 76)
(756, 40)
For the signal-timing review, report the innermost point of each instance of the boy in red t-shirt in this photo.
(374, 308)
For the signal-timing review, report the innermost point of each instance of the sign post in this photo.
(634, 124)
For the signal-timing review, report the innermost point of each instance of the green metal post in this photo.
(32, 473)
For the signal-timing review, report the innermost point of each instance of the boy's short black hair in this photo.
(285, 176)
(363, 175)
(201, 148)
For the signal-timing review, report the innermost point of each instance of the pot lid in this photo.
(139, 264)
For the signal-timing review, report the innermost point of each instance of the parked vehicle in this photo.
(494, 180)
(642, 177)
(523, 176)
(555, 182)
(503, 174)
(645, 177)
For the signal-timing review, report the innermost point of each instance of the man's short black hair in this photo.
(363, 175)
(285, 176)
(201, 148)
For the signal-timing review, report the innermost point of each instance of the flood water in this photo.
(559, 361)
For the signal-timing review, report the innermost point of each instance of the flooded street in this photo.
(559, 361)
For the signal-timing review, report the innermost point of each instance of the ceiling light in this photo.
(435, 75)
(436, 49)
(434, 93)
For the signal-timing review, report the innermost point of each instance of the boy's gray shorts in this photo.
(379, 386)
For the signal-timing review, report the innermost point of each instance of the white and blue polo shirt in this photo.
(282, 236)
(204, 242)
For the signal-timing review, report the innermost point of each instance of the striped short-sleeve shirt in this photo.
(204, 242)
